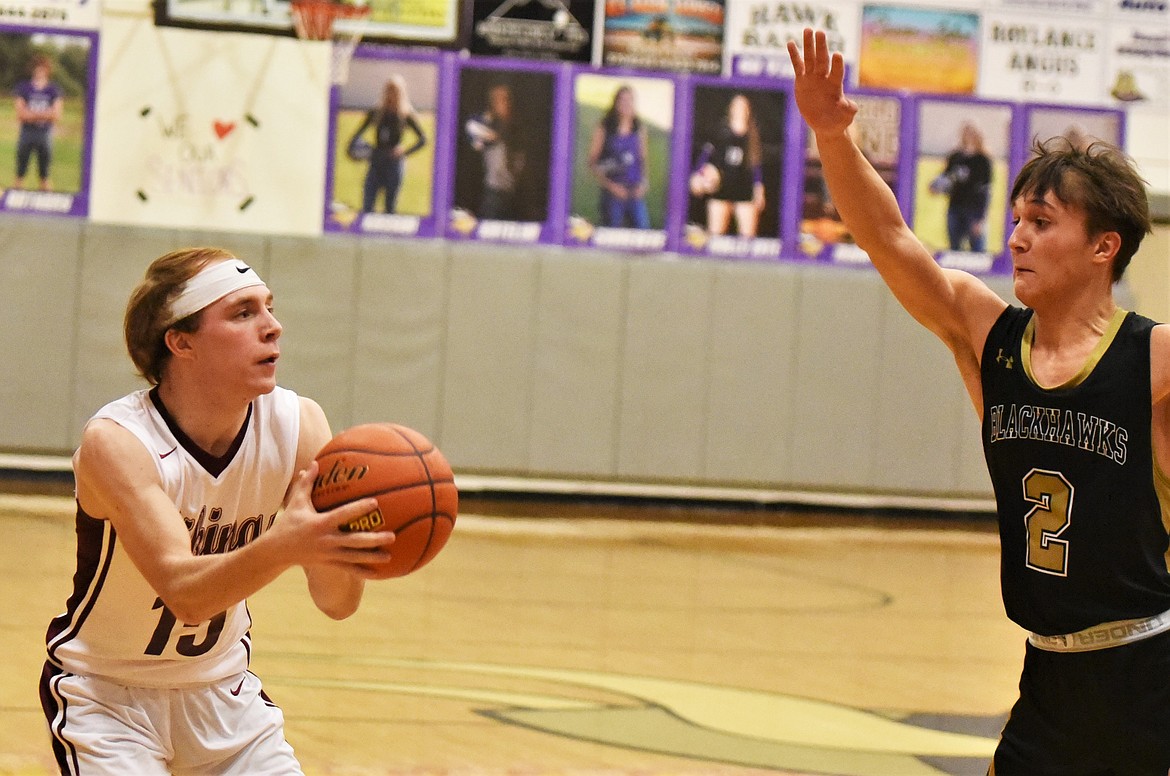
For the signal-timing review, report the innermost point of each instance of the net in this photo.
(316, 20)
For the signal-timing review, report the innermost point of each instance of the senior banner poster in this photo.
(919, 49)
(680, 35)
(755, 42)
(878, 129)
(964, 150)
(506, 132)
(624, 140)
(736, 141)
(1033, 58)
(46, 125)
(175, 148)
(384, 137)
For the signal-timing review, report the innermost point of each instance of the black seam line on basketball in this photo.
(384, 453)
(418, 484)
(417, 518)
(398, 488)
(431, 519)
(422, 459)
(426, 547)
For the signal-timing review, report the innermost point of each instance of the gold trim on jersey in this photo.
(1090, 364)
(1104, 636)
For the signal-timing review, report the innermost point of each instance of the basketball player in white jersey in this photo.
(178, 491)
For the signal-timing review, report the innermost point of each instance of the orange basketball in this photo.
(409, 477)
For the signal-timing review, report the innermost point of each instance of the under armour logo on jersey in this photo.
(1007, 361)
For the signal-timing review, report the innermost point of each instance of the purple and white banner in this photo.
(506, 136)
(623, 148)
(963, 152)
(52, 73)
(729, 195)
(881, 131)
(385, 144)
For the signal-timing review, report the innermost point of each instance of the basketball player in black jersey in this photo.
(1074, 396)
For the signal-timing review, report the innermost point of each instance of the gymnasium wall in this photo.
(540, 363)
(548, 364)
(543, 363)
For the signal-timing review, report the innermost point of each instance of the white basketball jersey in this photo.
(115, 625)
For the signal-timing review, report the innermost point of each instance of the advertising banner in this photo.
(534, 29)
(41, 14)
(679, 35)
(1080, 126)
(756, 39)
(919, 49)
(439, 23)
(1029, 58)
(1138, 66)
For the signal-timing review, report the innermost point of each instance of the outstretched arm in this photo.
(954, 305)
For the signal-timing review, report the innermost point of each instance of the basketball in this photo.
(409, 477)
(705, 181)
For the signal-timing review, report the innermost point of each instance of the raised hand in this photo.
(820, 93)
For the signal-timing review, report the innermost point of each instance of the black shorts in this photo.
(735, 185)
(1099, 713)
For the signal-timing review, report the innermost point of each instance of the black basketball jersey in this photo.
(1080, 499)
(736, 174)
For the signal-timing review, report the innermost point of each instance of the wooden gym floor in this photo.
(606, 639)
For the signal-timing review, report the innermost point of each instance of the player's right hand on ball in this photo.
(314, 537)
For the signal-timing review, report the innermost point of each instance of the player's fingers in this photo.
(362, 553)
(363, 546)
(797, 60)
(302, 484)
(817, 53)
(810, 51)
(352, 511)
(369, 564)
(837, 68)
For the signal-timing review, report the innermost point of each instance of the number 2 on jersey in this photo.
(1052, 497)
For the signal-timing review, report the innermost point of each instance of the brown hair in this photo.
(40, 60)
(755, 149)
(1100, 180)
(148, 311)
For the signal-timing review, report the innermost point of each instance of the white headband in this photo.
(211, 284)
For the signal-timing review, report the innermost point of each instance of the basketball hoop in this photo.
(316, 20)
